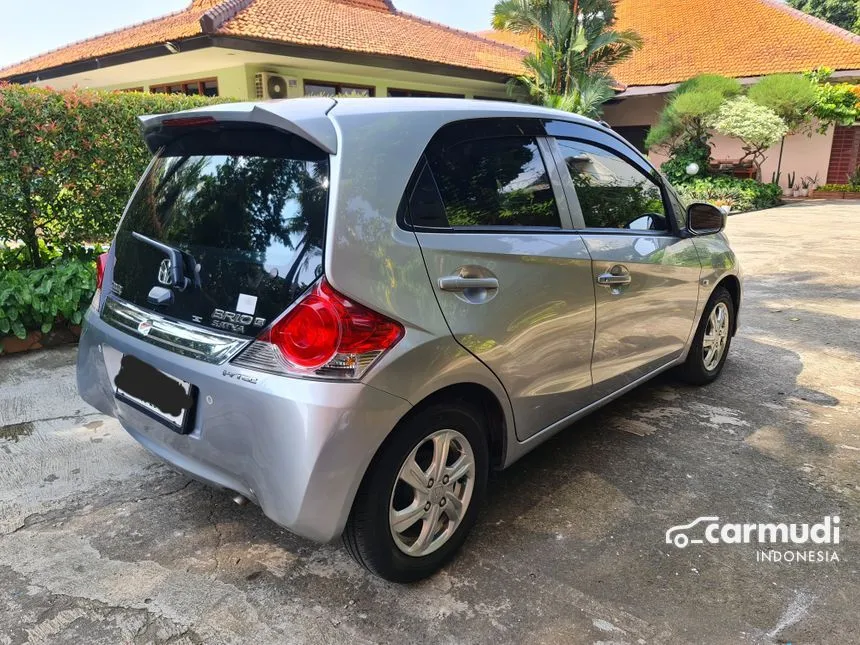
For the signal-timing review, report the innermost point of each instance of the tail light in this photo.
(101, 265)
(325, 334)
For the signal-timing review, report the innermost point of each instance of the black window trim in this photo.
(511, 127)
(647, 170)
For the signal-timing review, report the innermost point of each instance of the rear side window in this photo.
(612, 192)
(493, 182)
(245, 208)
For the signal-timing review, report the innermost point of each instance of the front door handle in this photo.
(617, 276)
(458, 283)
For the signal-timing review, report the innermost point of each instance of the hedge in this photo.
(741, 194)
(69, 161)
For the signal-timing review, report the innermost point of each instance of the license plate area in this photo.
(158, 395)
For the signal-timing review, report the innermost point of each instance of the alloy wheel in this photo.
(716, 336)
(432, 493)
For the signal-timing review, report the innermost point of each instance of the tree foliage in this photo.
(69, 161)
(835, 103)
(758, 127)
(683, 130)
(842, 13)
(576, 48)
(791, 96)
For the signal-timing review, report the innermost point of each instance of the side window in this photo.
(494, 182)
(612, 192)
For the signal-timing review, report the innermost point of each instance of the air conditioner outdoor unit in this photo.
(272, 86)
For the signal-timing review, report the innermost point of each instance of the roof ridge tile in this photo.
(212, 20)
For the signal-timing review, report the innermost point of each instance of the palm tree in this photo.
(575, 50)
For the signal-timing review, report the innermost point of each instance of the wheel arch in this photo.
(732, 284)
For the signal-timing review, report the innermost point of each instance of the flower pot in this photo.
(796, 192)
(804, 192)
(787, 192)
(828, 194)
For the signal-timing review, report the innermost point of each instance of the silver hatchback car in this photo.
(349, 311)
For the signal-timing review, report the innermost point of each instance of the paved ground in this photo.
(100, 543)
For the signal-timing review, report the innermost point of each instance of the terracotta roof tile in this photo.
(732, 37)
(738, 38)
(682, 37)
(347, 25)
(175, 26)
(365, 26)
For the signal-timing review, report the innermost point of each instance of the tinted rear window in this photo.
(246, 208)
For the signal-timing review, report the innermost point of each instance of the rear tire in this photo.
(386, 502)
(712, 341)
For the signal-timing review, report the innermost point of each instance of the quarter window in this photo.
(494, 182)
(612, 192)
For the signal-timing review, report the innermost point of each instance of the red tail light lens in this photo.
(310, 334)
(325, 334)
(101, 264)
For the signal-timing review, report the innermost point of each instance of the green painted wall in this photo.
(238, 82)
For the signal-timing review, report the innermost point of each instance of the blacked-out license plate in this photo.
(155, 393)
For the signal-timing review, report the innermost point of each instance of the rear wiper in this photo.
(176, 261)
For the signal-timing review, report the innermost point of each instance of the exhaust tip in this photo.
(240, 500)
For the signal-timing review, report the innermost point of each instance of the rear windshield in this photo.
(242, 211)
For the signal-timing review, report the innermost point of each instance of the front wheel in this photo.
(712, 340)
(421, 495)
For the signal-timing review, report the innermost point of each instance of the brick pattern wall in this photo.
(845, 154)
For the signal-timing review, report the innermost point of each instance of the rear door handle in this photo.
(617, 276)
(458, 283)
(610, 280)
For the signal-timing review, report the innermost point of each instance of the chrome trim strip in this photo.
(172, 335)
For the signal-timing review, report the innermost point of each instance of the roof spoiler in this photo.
(306, 118)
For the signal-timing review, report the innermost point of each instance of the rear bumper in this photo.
(298, 448)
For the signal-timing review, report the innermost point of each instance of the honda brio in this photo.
(349, 311)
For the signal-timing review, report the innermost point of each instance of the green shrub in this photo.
(36, 299)
(834, 188)
(69, 161)
(741, 194)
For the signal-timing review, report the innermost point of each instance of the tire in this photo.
(370, 537)
(697, 370)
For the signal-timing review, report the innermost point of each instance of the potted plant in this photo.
(804, 187)
(790, 190)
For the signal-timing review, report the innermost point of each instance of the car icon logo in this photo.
(165, 273)
(144, 327)
(677, 534)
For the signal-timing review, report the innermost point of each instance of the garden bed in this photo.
(62, 334)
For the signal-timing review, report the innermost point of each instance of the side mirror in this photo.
(705, 219)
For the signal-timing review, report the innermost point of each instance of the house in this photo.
(744, 39)
(282, 48)
(273, 48)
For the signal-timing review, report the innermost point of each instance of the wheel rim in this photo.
(432, 493)
(716, 336)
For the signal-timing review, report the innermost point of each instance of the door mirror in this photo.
(705, 219)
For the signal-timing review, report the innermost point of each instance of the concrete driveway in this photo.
(101, 543)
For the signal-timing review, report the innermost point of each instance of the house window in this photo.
(395, 93)
(324, 88)
(202, 87)
(131, 89)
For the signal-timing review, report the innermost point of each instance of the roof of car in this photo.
(309, 117)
